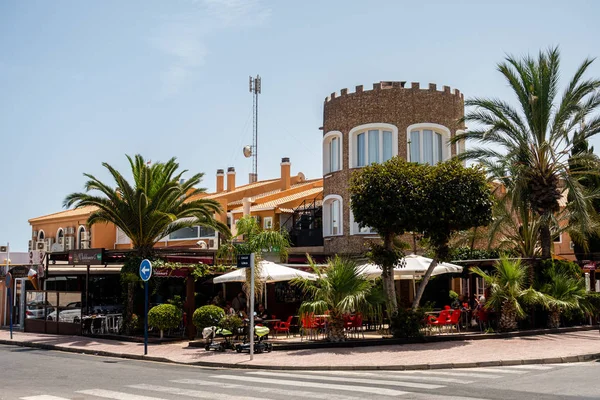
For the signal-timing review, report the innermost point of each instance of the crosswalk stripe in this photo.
(43, 397)
(492, 370)
(416, 385)
(448, 373)
(193, 393)
(110, 394)
(387, 375)
(268, 390)
(286, 382)
(530, 366)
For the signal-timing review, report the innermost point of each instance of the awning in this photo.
(271, 272)
(67, 269)
(416, 267)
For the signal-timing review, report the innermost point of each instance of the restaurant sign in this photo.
(20, 271)
(86, 257)
(589, 265)
(171, 272)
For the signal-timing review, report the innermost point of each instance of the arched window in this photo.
(81, 237)
(332, 152)
(428, 143)
(333, 215)
(356, 229)
(372, 143)
(41, 235)
(60, 233)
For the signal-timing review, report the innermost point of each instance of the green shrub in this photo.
(407, 323)
(207, 316)
(230, 322)
(164, 316)
(453, 295)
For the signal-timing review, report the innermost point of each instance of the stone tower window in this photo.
(332, 216)
(332, 152)
(428, 143)
(372, 143)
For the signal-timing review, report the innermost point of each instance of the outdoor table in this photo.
(270, 323)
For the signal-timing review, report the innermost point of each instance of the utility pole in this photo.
(254, 86)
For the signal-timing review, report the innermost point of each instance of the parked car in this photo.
(71, 313)
(35, 309)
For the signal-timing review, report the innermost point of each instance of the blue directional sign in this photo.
(145, 270)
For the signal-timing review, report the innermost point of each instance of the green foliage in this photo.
(198, 271)
(154, 205)
(164, 316)
(231, 322)
(466, 253)
(407, 323)
(176, 301)
(531, 147)
(566, 267)
(206, 316)
(453, 295)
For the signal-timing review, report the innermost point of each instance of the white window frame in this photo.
(79, 230)
(355, 230)
(326, 151)
(460, 145)
(268, 223)
(327, 229)
(436, 128)
(353, 135)
(559, 241)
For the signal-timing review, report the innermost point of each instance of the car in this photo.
(71, 313)
(36, 309)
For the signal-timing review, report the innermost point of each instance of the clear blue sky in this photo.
(82, 82)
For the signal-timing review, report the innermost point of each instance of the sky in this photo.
(87, 82)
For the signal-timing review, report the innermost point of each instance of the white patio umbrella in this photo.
(416, 267)
(270, 272)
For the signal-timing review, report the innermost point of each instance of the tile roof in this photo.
(286, 199)
(241, 188)
(272, 192)
(75, 212)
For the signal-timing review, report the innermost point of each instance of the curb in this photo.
(499, 363)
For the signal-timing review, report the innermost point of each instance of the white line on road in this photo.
(260, 389)
(194, 393)
(530, 366)
(43, 397)
(493, 370)
(383, 374)
(286, 382)
(416, 385)
(447, 373)
(110, 394)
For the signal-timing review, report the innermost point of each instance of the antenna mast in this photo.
(255, 90)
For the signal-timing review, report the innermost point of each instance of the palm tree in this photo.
(508, 293)
(157, 203)
(563, 292)
(254, 240)
(340, 289)
(536, 138)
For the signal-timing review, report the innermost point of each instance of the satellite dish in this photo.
(247, 151)
(301, 177)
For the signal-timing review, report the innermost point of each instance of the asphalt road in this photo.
(31, 374)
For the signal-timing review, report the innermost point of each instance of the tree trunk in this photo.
(545, 238)
(161, 333)
(335, 328)
(423, 284)
(508, 317)
(387, 275)
(554, 318)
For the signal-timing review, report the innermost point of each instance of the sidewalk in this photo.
(553, 348)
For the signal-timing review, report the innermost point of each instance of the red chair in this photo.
(282, 326)
(309, 326)
(454, 320)
(483, 319)
(357, 325)
(442, 320)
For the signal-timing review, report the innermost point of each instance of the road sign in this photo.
(244, 260)
(8, 280)
(145, 270)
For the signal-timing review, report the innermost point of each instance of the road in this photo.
(32, 374)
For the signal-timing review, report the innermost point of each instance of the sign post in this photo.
(8, 284)
(247, 261)
(145, 274)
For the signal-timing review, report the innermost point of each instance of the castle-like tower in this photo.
(370, 126)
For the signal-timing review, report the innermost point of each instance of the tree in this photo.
(340, 289)
(536, 138)
(508, 293)
(563, 292)
(387, 197)
(157, 203)
(254, 240)
(456, 199)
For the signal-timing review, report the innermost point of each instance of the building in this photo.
(375, 125)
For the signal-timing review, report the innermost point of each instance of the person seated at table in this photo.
(262, 312)
(228, 309)
(242, 313)
(239, 302)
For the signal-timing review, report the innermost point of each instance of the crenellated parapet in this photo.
(395, 86)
